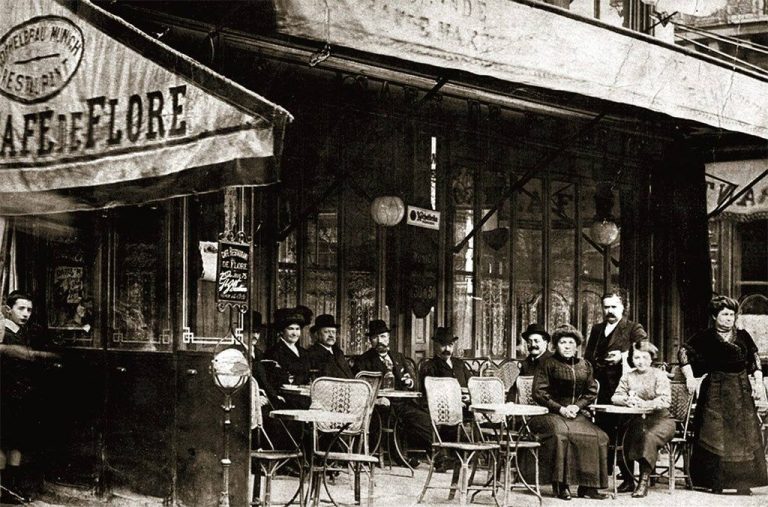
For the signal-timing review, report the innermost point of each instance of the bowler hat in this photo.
(536, 329)
(300, 315)
(256, 320)
(322, 321)
(376, 327)
(445, 336)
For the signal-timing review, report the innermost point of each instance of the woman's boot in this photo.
(641, 490)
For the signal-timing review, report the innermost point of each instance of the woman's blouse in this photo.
(651, 386)
(707, 352)
(561, 381)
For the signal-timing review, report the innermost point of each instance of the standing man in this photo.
(17, 396)
(443, 364)
(391, 364)
(608, 350)
(325, 357)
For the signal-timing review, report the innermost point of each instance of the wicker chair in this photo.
(270, 460)
(680, 445)
(508, 371)
(348, 396)
(525, 390)
(445, 410)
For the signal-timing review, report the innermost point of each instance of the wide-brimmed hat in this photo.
(300, 315)
(322, 321)
(376, 327)
(444, 336)
(567, 331)
(536, 329)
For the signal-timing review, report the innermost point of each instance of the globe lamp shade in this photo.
(604, 232)
(387, 210)
(230, 369)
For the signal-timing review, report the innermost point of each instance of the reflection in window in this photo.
(140, 297)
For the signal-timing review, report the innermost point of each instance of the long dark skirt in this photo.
(573, 451)
(727, 449)
(645, 436)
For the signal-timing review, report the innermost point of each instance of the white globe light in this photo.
(230, 368)
(387, 210)
(604, 232)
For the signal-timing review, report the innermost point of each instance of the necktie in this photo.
(387, 362)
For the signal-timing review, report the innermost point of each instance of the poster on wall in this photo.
(232, 269)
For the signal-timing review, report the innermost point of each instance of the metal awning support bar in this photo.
(738, 195)
(525, 178)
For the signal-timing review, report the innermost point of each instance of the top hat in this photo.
(445, 336)
(300, 315)
(377, 326)
(322, 321)
(536, 329)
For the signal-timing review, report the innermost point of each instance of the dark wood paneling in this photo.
(199, 422)
(139, 423)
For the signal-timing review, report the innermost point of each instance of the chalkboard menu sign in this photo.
(232, 271)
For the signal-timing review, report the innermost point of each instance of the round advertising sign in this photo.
(39, 57)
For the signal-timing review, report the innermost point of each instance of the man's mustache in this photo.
(446, 353)
(382, 347)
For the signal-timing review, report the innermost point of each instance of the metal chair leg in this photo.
(429, 478)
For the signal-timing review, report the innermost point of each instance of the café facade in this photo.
(444, 167)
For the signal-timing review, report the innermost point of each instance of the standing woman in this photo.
(573, 449)
(645, 387)
(727, 448)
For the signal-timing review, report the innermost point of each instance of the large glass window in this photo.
(562, 247)
(140, 298)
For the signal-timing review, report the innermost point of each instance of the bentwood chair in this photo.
(267, 459)
(347, 396)
(445, 411)
(680, 446)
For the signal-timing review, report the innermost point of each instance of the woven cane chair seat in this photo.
(269, 454)
(466, 446)
(348, 456)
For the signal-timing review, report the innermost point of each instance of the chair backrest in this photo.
(374, 379)
(760, 389)
(256, 418)
(486, 390)
(444, 401)
(680, 406)
(508, 371)
(525, 389)
(347, 396)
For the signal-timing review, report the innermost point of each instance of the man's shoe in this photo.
(592, 493)
(414, 462)
(561, 491)
(642, 488)
(626, 486)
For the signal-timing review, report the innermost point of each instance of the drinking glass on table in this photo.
(291, 378)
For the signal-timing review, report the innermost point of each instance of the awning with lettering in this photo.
(95, 113)
(740, 188)
(540, 46)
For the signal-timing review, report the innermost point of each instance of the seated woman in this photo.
(645, 387)
(573, 449)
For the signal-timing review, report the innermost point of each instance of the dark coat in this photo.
(437, 367)
(328, 364)
(260, 374)
(288, 364)
(371, 361)
(560, 382)
(623, 336)
(529, 364)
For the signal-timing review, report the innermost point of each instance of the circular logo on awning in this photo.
(39, 57)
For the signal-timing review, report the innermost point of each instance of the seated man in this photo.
(443, 364)
(326, 358)
(537, 340)
(411, 414)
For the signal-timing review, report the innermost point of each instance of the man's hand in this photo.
(613, 357)
(407, 380)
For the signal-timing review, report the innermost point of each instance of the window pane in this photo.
(287, 272)
(562, 252)
(140, 304)
(527, 253)
(72, 291)
(321, 260)
(495, 284)
(360, 258)
(463, 282)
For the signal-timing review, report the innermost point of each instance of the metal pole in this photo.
(225, 461)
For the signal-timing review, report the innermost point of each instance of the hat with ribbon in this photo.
(300, 315)
(376, 327)
(445, 336)
(324, 320)
(536, 329)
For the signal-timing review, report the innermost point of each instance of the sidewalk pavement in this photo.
(396, 488)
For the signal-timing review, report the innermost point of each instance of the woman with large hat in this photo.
(291, 362)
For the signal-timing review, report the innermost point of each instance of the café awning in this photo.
(538, 45)
(95, 113)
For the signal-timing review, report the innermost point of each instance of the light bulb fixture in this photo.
(230, 369)
(387, 210)
(604, 229)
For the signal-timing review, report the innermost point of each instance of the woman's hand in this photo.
(569, 412)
